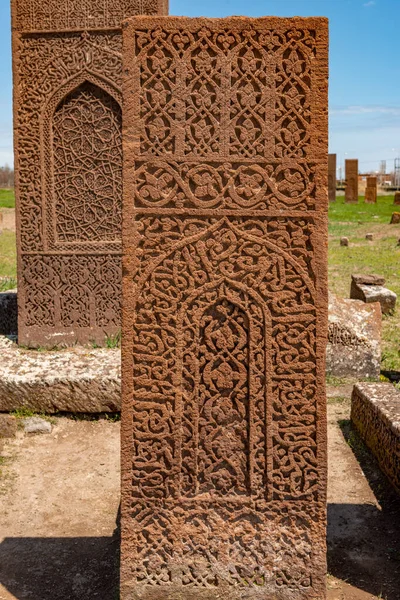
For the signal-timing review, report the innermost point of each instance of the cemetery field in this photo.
(380, 256)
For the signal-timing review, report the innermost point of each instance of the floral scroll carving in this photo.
(223, 453)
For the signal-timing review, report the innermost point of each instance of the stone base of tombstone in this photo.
(375, 412)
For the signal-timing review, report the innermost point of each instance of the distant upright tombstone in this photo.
(224, 309)
(351, 168)
(397, 198)
(67, 65)
(371, 190)
(332, 177)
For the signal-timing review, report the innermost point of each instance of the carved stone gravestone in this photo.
(371, 190)
(224, 309)
(68, 151)
(351, 168)
(332, 177)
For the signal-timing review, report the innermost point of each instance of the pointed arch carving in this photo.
(82, 164)
(267, 297)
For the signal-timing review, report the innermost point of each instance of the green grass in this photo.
(8, 255)
(366, 213)
(7, 199)
(380, 256)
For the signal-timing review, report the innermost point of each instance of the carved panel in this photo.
(87, 155)
(224, 308)
(68, 151)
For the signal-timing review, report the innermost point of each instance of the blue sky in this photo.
(364, 70)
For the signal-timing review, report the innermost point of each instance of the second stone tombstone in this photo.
(224, 309)
(351, 168)
(371, 190)
(332, 177)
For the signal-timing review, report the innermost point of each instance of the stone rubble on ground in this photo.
(354, 338)
(370, 288)
(395, 218)
(36, 425)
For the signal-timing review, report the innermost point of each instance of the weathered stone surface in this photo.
(36, 425)
(8, 313)
(369, 288)
(354, 338)
(225, 309)
(69, 186)
(332, 177)
(78, 380)
(351, 169)
(344, 241)
(372, 279)
(371, 190)
(375, 412)
(8, 426)
(396, 198)
(395, 220)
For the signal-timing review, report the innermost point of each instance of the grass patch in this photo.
(8, 255)
(380, 256)
(7, 198)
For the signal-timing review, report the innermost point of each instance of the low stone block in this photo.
(369, 236)
(375, 413)
(374, 293)
(354, 338)
(81, 380)
(8, 313)
(395, 218)
(344, 241)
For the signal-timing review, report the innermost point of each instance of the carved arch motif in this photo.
(268, 291)
(82, 128)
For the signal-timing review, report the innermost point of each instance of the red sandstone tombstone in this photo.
(371, 190)
(68, 151)
(332, 177)
(224, 309)
(396, 198)
(351, 169)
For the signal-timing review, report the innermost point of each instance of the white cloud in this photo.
(370, 3)
(366, 110)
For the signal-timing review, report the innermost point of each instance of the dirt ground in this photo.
(59, 497)
(8, 219)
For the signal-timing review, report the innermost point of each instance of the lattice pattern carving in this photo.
(224, 466)
(87, 146)
(67, 130)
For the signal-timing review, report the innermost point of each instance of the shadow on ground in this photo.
(364, 539)
(83, 568)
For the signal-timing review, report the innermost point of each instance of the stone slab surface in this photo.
(79, 380)
(374, 293)
(354, 338)
(224, 309)
(375, 412)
